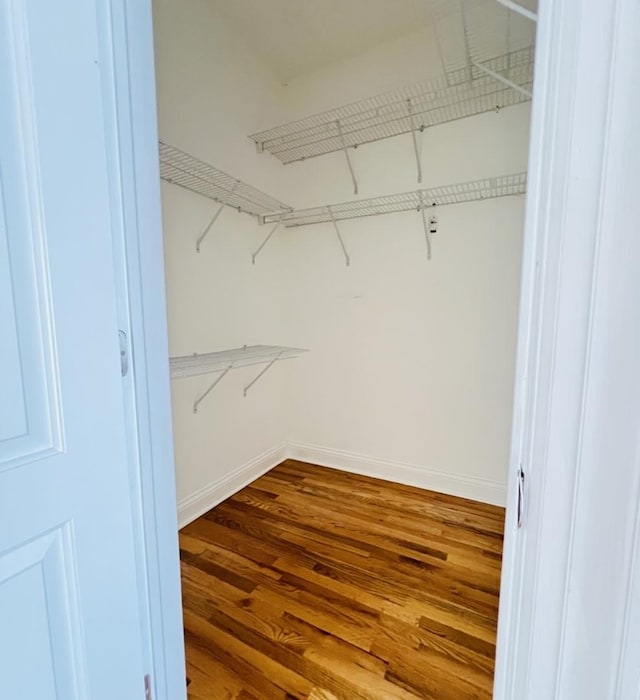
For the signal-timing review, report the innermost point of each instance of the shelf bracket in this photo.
(210, 389)
(519, 9)
(260, 374)
(335, 226)
(426, 227)
(203, 235)
(503, 79)
(346, 153)
(414, 136)
(276, 226)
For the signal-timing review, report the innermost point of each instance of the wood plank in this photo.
(320, 585)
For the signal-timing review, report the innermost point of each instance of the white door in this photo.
(69, 622)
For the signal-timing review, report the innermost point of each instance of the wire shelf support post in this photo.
(424, 224)
(214, 218)
(414, 137)
(346, 154)
(260, 374)
(215, 383)
(276, 226)
(342, 245)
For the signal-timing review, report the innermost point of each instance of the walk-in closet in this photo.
(343, 196)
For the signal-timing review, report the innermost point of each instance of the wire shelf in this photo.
(182, 169)
(417, 106)
(247, 356)
(475, 190)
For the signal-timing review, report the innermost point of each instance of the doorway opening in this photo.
(343, 204)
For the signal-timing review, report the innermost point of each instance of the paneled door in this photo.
(69, 621)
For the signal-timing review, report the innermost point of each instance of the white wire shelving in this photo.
(180, 168)
(444, 195)
(419, 200)
(410, 109)
(224, 361)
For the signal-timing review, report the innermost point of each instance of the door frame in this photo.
(570, 433)
(128, 79)
(528, 617)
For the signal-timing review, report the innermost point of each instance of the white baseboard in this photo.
(204, 499)
(194, 505)
(475, 488)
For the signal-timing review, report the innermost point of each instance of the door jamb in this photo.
(131, 122)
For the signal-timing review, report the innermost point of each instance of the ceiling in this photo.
(295, 37)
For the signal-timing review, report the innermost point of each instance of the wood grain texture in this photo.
(318, 584)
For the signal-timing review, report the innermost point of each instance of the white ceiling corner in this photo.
(296, 37)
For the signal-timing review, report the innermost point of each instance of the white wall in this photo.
(412, 363)
(210, 92)
(410, 374)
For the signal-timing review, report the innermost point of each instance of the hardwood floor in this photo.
(314, 583)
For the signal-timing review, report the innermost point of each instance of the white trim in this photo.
(475, 488)
(204, 499)
(130, 118)
(559, 603)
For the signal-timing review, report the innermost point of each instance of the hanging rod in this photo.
(225, 360)
(180, 168)
(433, 102)
(458, 193)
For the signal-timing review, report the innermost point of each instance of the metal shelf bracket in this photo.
(414, 137)
(503, 79)
(426, 227)
(346, 153)
(213, 220)
(260, 374)
(519, 9)
(217, 380)
(335, 226)
(276, 226)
